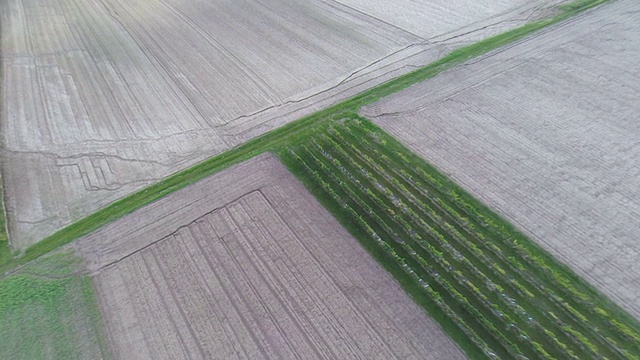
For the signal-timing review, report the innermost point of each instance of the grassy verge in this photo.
(493, 290)
(580, 5)
(178, 181)
(273, 140)
(48, 311)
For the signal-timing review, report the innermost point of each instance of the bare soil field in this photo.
(101, 98)
(546, 133)
(251, 268)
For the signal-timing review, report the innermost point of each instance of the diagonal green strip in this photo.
(275, 139)
(350, 166)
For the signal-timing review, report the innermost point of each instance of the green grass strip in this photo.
(156, 191)
(579, 5)
(272, 141)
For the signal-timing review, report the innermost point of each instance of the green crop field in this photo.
(494, 290)
(48, 311)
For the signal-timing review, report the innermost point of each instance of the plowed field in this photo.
(104, 97)
(546, 132)
(268, 274)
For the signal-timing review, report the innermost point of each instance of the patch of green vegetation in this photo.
(494, 291)
(5, 252)
(271, 141)
(47, 311)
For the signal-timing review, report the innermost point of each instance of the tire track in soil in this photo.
(147, 261)
(125, 336)
(171, 340)
(220, 313)
(202, 287)
(289, 333)
(278, 224)
(185, 324)
(243, 292)
(290, 299)
(354, 285)
(189, 293)
(205, 228)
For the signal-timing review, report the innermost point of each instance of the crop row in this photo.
(479, 275)
(483, 289)
(580, 302)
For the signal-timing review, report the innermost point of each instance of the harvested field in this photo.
(546, 133)
(104, 97)
(247, 264)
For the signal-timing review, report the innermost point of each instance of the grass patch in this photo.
(5, 250)
(271, 141)
(48, 311)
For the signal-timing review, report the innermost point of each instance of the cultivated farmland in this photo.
(498, 294)
(546, 132)
(261, 272)
(433, 19)
(104, 97)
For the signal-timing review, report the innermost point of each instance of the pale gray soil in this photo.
(432, 18)
(546, 132)
(103, 97)
(246, 264)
